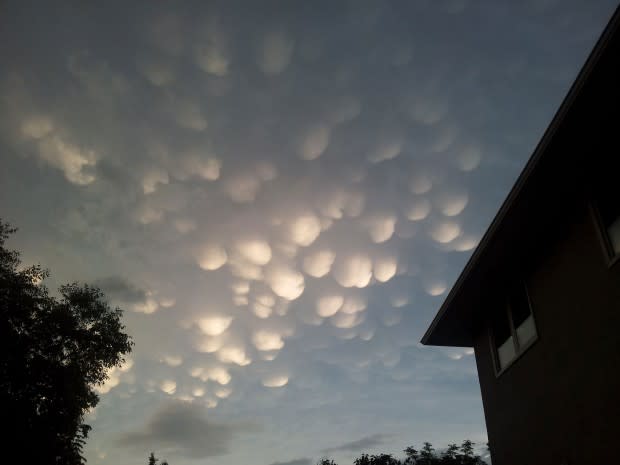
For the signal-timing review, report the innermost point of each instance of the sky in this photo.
(280, 196)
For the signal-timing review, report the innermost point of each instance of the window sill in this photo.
(516, 357)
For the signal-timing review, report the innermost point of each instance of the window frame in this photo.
(611, 256)
(519, 349)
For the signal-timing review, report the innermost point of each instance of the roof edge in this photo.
(531, 164)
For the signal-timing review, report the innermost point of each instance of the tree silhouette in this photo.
(53, 351)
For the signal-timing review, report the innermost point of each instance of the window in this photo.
(608, 209)
(512, 328)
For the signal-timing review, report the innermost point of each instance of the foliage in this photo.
(53, 352)
(453, 455)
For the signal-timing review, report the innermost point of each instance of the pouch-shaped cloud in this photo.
(266, 171)
(465, 244)
(305, 229)
(212, 257)
(212, 59)
(381, 227)
(261, 311)
(157, 73)
(69, 159)
(233, 354)
(319, 263)
(152, 178)
(285, 282)
(353, 271)
(427, 110)
(242, 188)
(214, 325)
(385, 151)
(265, 340)
(114, 376)
(418, 209)
(275, 53)
(353, 304)
(275, 381)
(435, 288)
(329, 305)
(172, 360)
(223, 393)
(420, 183)
(314, 142)
(344, 109)
(347, 320)
(256, 251)
(469, 158)
(445, 231)
(385, 268)
(168, 386)
(451, 203)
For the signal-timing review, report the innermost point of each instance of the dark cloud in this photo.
(182, 428)
(303, 461)
(367, 442)
(119, 288)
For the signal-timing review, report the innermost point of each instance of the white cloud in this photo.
(451, 203)
(469, 158)
(420, 183)
(435, 288)
(385, 268)
(242, 188)
(285, 282)
(214, 325)
(445, 231)
(275, 381)
(265, 340)
(256, 251)
(418, 210)
(152, 178)
(168, 386)
(36, 127)
(381, 227)
(353, 304)
(148, 306)
(329, 305)
(233, 354)
(354, 271)
(319, 263)
(385, 151)
(275, 53)
(212, 257)
(305, 229)
(173, 361)
(212, 59)
(347, 320)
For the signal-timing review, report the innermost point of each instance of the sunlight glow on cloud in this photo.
(418, 210)
(256, 251)
(385, 151)
(267, 340)
(385, 268)
(445, 231)
(319, 263)
(381, 227)
(451, 203)
(305, 229)
(469, 158)
(354, 271)
(168, 386)
(214, 325)
(329, 305)
(243, 188)
(420, 183)
(212, 257)
(285, 282)
(69, 159)
(275, 381)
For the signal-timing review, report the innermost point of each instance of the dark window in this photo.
(608, 205)
(512, 327)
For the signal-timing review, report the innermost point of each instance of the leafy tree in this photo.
(449, 456)
(152, 459)
(427, 454)
(325, 461)
(411, 456)
(53, 352)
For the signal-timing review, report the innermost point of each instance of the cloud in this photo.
(118, 288)
(302, 461)
(182, 428)
(365, 443)
(275, 53)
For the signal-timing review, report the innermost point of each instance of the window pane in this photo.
(526, 331)
(613, 231)
(506, 352)
(519, 305)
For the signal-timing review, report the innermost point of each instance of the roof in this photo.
(538, 201)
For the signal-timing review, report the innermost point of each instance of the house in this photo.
(539, 300)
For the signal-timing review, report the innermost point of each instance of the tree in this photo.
(53, 352)
(411, 456)
(325, 461)
(427, 454)
(152, 459)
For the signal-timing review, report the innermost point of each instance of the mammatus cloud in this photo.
(365, 443)
(182, 428)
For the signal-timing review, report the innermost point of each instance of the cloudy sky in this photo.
(280, 195)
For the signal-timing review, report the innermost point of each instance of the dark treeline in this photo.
(453, 455)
